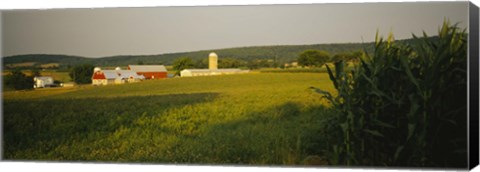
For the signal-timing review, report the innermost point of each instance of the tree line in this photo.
(19, 80)
(81, 74)
(279, 54)
(316, 58)
(307, 58)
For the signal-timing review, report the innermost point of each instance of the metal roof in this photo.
(148, 68)
(122, 74)
(43, 77)
(197, 70)
(215, 70)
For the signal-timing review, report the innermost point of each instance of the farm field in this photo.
(251, 119)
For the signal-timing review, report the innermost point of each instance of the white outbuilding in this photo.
(212, 69)
(42, 81)
(208, 72)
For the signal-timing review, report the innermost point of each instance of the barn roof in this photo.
(43, 77)
(197, 70)
(147, 68)
(216, 70)
(113, 74)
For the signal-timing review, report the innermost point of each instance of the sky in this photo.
(101, 32)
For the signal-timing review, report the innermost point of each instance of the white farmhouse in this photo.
(42, 81)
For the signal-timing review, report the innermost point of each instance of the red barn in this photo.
(117, 76)
(150, 71)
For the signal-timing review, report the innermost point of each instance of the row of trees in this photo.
(316, 58)
(81, 74)
(18, 80)
(310, 58)
(188, 63)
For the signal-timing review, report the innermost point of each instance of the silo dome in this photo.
(212, 54)
(96, 69)
(118, 68)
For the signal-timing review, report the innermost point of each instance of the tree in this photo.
(313, 58)
(182, 63)
(82, 74)
(356, 56)
(347, 57)
(18, 80)
(341, 56)
(229, 62)
(36, 72)
(259, 63)
(201, 63)
(253, 64)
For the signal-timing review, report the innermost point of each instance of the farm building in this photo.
(68, 84)
(208, 72)
(117, 76)
(42, 81)
(149, 71)
(212, 69)
(293, 64)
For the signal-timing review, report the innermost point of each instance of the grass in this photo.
(259, 118)
(59, 76)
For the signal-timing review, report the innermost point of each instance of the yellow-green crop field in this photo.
(254, 119)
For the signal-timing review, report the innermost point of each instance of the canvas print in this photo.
(307, 85)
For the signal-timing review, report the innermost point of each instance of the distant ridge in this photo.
(282, 54)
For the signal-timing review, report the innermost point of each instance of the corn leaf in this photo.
(375, 133)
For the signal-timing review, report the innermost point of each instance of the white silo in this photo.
(118, 68)
(212, 61)
(96, 69)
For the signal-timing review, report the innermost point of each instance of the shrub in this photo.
(18, 80)
(403, 106)
(353, 56)
(82, 74)
(181, 64)
(313, 58)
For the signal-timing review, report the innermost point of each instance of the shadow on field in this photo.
(131, 130)
(281, 135)
(33, 128)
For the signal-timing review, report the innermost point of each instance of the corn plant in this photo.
(404, 105)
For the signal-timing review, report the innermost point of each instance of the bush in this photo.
(230, 62)
(181, 64)
(18, 80)
(82, 74)
(348, 57)
(313, 58)
(403, 106)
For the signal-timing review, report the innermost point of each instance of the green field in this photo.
(255, 119)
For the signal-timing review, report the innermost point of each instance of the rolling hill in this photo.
(281, 53)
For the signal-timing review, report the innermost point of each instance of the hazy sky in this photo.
(138, 31)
